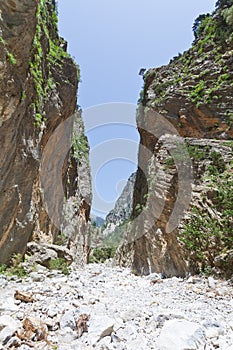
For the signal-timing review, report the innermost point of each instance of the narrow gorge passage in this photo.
(158, 273)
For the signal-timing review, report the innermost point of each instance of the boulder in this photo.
(43, 253)
(8, 326)
(181, 335)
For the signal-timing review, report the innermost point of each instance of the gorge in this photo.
(45, 183)
(169, 284)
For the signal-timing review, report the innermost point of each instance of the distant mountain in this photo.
(124, 204)
(97, 220)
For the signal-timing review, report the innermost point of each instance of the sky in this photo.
(111, 41)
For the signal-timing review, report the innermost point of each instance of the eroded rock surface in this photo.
(38, 89)
(191, 97)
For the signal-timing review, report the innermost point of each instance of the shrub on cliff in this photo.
(223, 3)
(206, 234)
(218, 26)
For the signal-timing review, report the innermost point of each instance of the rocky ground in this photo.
(105, 307)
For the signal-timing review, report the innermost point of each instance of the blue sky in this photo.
(111, 41)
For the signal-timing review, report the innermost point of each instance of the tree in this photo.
(224, 3)
(198, 26)
(228, 16)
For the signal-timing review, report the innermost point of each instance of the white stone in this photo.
(67, 335)
(106, 341)
(68, 319)
(37, 277)
(51, 312)
(9, 305)
(100, 327)
(211, 333)
(140, 343)
(3, 282)
(221, 291)
(211, 282)
(131, 313)
(8, 326)
(181, 335)
(213, 329)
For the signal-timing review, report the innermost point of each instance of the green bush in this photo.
(206, 236)
(59, 264)
(101, 254)
(3, 268)
(202, 236)
(218, 165)
(228, 15)
(61, 239)
(16, 267)
(200, 24)
(197, 153)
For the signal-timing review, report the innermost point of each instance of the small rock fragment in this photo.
(211, 282)
(81, 324)
(33, 330)
(23, 296)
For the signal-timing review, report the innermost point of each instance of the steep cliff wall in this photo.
(124, 203)
(38, 89)
(190, 97)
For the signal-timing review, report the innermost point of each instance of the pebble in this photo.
(211, 282)
(37, 277)
(123, 311)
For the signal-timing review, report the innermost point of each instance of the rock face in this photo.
(118, 217)
(177, 182)
(38, 89)
(193, 92)
(124, 203)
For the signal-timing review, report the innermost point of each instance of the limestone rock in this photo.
(124, 204)
(100, 327)
(151, 313)
(181, 335)
(211, 282)
(180, 102)
(35, 103)
(43, 253)
(8, 326)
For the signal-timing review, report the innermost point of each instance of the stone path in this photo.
(104, 307)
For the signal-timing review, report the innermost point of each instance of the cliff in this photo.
(123, 206)
(182, 216)
(38, 90)
(118, 217)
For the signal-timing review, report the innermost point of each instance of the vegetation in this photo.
(61, 239)
(213, 37)
(11, 58)
(80, 146)
(106, 246)
(101, 254)
(217, 29)
(115, 238)
(9, 55)
(59, 264)
(46, 33)
(36, 65)
(198, 153)
(16, 268)
(80, 143)
(206, 235)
